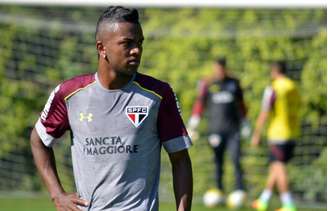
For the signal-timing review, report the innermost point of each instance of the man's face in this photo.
(219, 71)
(274, 72)
(122, 46)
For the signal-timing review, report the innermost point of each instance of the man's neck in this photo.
(279, 76)
(221, 78)
(110, 79)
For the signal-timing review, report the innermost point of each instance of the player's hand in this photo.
(191, 128)
(246, 129)
(193, 134)
(255, 140)
(69, 202)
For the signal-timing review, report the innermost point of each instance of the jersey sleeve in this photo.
(200, 102)
(171, 129)
(239, 91)
(53, 121)
(268, 100)
(240, 99)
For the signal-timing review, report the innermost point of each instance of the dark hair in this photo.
(280, 65)
(221, 61)
(114, 14)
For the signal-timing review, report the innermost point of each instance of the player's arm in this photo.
(245, 125)
(198, 109)
(175, 140)
(267, 104)
(262, 118)
(52, 124)
(182, 179)
(44, 160)
(241, 101)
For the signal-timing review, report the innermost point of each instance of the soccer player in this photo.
(118, 119)
(222, 97)
(281, 103)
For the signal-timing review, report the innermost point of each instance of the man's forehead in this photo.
(122, 29)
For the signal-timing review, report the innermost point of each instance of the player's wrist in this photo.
(246, 129)
(193, 122)
(57, 195)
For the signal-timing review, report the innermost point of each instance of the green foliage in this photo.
(314, 75)
(182, 44)
(316, 186)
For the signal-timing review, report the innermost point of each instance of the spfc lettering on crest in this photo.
(137, 114)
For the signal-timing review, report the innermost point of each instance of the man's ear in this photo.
(101, 49)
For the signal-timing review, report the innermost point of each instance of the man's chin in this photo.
(129, 71)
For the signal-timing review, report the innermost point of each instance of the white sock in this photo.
(266, 195)
(286, 198)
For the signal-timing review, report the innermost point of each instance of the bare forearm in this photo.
(260, 123)
(183, 183)
(45, 162)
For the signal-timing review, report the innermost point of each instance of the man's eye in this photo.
(126, 44)
(130, 44)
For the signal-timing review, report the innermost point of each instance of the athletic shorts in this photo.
(282, 152)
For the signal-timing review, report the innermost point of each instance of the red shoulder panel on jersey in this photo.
(199, 105)
(54, 116)
(169, 122)
(152, 84)
(70, 86)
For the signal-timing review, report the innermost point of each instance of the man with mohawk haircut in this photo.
(119, 120)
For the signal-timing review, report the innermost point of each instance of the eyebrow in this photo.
(130, 39)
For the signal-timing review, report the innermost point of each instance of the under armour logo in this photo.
(88, 117)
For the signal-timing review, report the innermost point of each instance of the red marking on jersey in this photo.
(132, 117)
(55, 119)
(169, 121)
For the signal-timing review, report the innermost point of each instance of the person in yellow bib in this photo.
(280, 107)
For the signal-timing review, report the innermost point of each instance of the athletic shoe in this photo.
(290, 207)
(213, 197)
(259, 205)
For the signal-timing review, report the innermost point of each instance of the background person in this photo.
(222, 97)
(280, 105)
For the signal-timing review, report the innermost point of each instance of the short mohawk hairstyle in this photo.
(281, 65)
(221, 61)
(115, 14)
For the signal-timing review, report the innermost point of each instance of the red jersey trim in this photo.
(76, 91)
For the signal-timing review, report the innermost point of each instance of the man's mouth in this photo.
(134, 62)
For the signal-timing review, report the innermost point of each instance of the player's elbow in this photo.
(35, 140)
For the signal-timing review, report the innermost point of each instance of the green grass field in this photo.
(44, 204)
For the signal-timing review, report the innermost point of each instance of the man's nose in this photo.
(136, 50)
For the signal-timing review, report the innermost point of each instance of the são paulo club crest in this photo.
(136, 114)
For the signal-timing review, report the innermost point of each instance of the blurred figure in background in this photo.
(281, 103)
(222, 97)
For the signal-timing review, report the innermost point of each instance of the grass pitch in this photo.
(44, 204)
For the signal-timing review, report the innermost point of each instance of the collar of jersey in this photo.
(125, 87)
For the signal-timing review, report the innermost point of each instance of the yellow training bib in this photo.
(284, 123)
